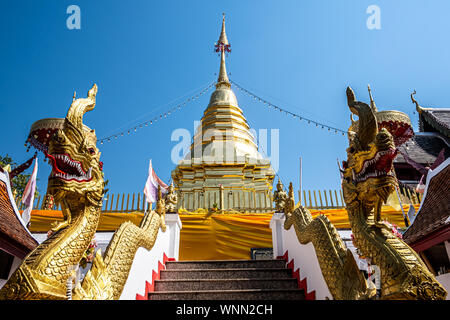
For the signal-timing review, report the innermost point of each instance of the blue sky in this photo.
(300, 55)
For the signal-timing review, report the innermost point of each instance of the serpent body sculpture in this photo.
(76, 183)
(342, 276)
(108, 275)
(368, 180)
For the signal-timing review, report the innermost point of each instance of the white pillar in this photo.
(146, 261)
(277, 226)
(447, 248)
(173, 224)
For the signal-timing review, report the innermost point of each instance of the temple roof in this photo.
(434, 212)
(423, 148)
(434, 119)
(14, 237)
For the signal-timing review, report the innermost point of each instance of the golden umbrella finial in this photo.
(223, 46)
(223, 36)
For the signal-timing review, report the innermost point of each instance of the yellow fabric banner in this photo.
(216, 236)
(339, 217)
(41, 220)
(223, 236)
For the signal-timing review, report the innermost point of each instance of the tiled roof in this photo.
(423, 148)
(435, 209)
(438, 119)
(14, 238)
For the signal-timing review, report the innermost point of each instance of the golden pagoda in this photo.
(223, 169)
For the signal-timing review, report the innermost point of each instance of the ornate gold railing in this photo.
(311, 199)
(119, 202)
(333, 199)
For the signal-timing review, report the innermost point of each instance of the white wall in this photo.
(305, 257)
(16, 263)
(444, 280)
(145, 261)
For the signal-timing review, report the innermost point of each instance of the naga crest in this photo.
(76, 182)
(369, 179)
(368, 171)
(74, 157)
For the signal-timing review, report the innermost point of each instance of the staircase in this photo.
(226, 280)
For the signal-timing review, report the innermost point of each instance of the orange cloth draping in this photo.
(339, 217)
(41, 220)
(231, 236)
(218, 236)
(223, 236)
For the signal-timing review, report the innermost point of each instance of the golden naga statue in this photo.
(76, 182)
(342, 276)
(368, 180)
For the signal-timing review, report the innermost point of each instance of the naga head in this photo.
(368, 171)
(74, 157)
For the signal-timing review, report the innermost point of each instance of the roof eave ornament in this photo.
(418, 107)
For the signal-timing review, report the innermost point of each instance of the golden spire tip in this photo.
(222, 46)
(372, 102)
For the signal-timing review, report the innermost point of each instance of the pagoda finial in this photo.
(223, 77)
(372, 103)
(223, 46)
(223, 36)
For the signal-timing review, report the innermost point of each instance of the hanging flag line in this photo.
(156, 118)
(261, 149)
(204, 90)
(309, 121)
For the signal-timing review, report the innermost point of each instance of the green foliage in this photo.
(19, 182)
(6, 160)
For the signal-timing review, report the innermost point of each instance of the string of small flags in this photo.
(269, 105)
(156, 118)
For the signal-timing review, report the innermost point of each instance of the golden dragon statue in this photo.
(368, 180)
(76, 183)
(339, 269)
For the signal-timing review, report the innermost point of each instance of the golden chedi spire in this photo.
(223, 162)
(223, 36)
(223, 46)
(224, 131)
(223, 77)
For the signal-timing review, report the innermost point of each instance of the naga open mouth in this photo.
(65, 168)
(379, 166)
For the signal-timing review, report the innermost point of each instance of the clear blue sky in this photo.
(300, 55)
